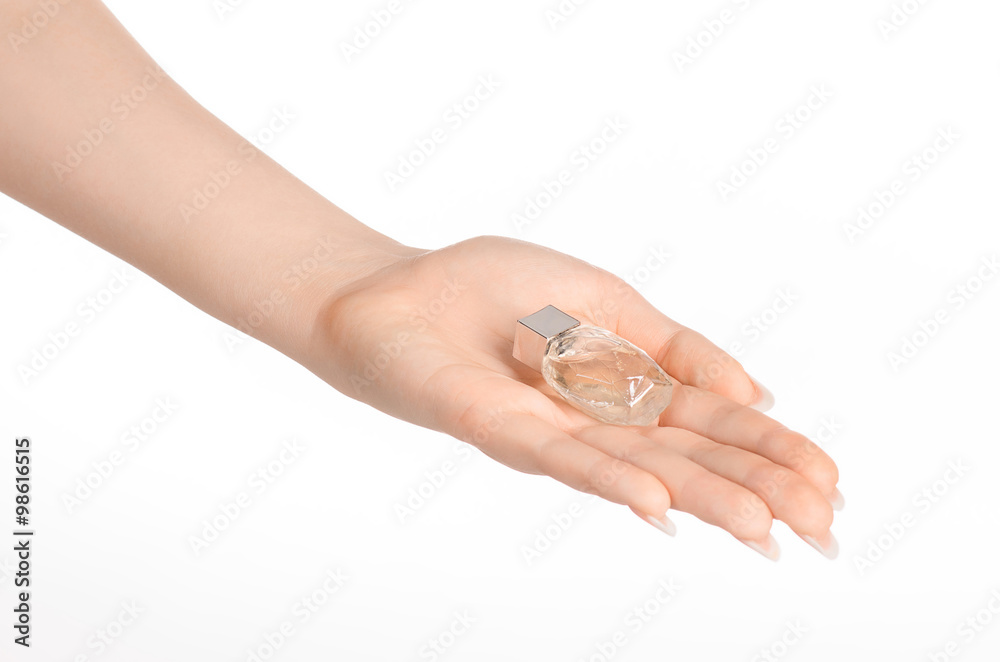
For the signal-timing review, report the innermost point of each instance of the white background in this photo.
(893, 428)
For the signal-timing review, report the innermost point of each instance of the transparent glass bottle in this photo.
(593, 369)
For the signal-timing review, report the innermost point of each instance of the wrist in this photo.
(294, 289)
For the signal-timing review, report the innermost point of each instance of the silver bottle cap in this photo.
(532, 334)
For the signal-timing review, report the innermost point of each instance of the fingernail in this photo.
(765, 399)
(664, 524)
(836, 500)
(768, 549)
(828, 547)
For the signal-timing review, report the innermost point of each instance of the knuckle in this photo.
(634, 450)
(784, 443)
(706, 453)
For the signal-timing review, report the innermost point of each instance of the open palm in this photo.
(428, 339)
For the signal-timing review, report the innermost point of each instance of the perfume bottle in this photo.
(593, 369)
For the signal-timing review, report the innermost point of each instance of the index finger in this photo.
(685, 354)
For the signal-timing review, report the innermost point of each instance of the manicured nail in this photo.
(768, 549)
(828, 547)
(663, 524)
(836, 500)
(765, 399)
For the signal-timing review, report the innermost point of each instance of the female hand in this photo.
(428, 338)
(423, 335)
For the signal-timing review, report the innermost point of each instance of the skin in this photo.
(422, 335)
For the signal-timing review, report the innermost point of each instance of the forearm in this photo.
(96, 137)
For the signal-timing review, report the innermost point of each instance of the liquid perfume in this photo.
(593, 369)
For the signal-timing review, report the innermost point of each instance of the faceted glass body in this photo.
(606, 376)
